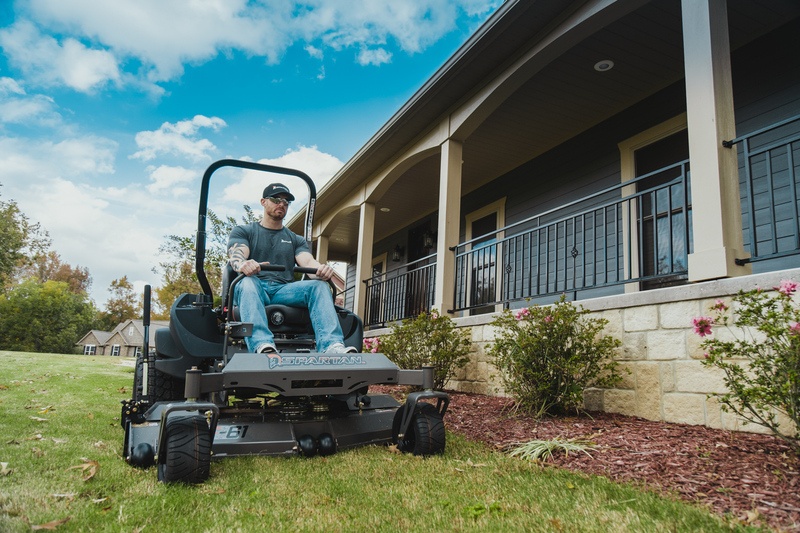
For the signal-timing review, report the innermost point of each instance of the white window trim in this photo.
(380, 259)
(627, 171)
(498, 207)
(89, 349)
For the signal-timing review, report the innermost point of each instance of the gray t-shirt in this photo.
(278, 247)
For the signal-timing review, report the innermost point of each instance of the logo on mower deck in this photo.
(308, 360)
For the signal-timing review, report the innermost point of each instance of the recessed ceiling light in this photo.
(385, 209)
(604, 65)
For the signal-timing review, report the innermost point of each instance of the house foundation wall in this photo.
(667, 380)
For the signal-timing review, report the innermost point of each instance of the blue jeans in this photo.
(252, 294)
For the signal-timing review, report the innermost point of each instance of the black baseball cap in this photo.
(274, 189)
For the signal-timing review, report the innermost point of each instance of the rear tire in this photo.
(166, 387)
(188, 450)
(425, 435)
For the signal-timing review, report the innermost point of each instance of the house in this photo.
(126, 340)
(641, 157)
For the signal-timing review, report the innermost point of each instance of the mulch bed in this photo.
(754, 478)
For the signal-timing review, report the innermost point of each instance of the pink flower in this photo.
(548, 319)
(719, 305)
(794, 328)
(702, 325)
(522, 313)
(787, 288)
(372, 344)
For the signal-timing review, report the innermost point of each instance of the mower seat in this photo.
(295, 322)
(283, 319)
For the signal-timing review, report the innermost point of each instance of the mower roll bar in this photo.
(200, 243)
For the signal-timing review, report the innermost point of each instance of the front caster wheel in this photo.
(425, 434)
(188, 450)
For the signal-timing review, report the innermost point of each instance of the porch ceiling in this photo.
(562, 99)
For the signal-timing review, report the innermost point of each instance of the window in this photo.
(138, 351)
(660, 209)
(89, 349)
(664, 210)
(375, 304)
(115, 350)
(483, 283)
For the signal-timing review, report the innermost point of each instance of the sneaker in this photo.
(340, 348)
(266, 348)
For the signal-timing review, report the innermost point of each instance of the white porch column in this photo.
(366, 234)
(716, 211)
(322, 248)
(449, 220)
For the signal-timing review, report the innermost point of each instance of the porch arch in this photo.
(571, 29)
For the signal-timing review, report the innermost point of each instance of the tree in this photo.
(20, 240)
(123, 305)
(44, 317)
(49, 267)
(179, 279)
(178, 273)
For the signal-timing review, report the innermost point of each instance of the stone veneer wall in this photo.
(667, 380)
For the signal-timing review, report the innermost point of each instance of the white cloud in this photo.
(10, 86)
(179, 139)
(375, 57)
(43, 60)
(84, 69)
(247, 189)
(111, 230)
(314, 52)
(162, 36)
(28, 161)
(169, 179)
(36, 109)
(166, 35)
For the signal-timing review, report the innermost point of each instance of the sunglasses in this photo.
(276, 200)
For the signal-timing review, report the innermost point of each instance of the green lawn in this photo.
(60, 443)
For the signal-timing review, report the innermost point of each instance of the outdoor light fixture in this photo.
(427, 239)
(397, 253)
(604, 65)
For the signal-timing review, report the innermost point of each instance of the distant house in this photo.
(125, 340)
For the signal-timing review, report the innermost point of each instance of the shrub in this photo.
(429, 339)
(549, 355)
(762, 362)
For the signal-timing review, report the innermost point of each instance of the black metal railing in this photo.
(635, 232)
(400, 293)
(769, 170)
(632, 232)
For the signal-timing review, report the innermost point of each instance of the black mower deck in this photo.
(287, 405)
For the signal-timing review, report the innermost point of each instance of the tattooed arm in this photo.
(238, 259)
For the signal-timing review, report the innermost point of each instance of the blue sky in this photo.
(110, 111)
